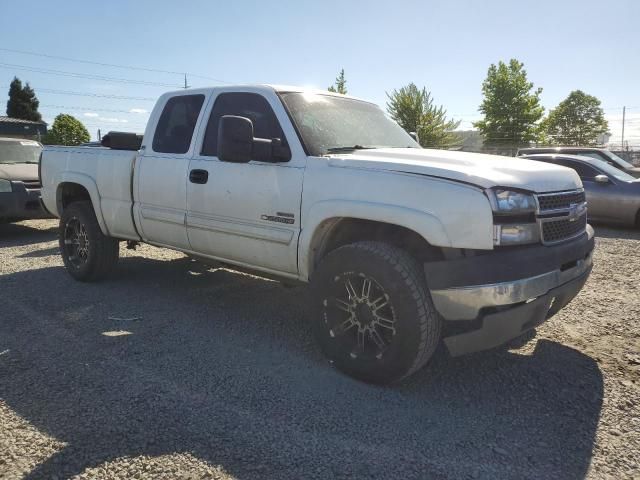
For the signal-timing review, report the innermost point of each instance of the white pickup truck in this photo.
(403, 246)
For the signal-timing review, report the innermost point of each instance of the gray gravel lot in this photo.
(174, 370)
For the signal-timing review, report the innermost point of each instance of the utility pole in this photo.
(99, 135)
(185, 82)
(624, 111)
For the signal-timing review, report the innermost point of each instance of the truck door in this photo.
(247, 213)
(161, 172)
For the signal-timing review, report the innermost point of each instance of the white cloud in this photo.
(138, 110)
(90, 114)
(112, 120)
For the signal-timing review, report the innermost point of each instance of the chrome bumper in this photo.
(465, 303)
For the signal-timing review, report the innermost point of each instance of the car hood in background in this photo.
(19, 171)
(475, 168)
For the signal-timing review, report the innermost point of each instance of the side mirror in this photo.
(235, 139)
(601, 179)
(414, 135)
(236, 143)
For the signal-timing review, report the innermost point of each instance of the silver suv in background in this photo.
(19, 182)
(613, 196)
(597, 153)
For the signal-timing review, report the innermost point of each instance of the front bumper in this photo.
(514, 290)
(21, 203)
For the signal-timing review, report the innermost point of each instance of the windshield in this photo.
(20, 151)
(613, 171)
(617, 159)
(329, 123)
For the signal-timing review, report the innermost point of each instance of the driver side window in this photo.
(250, 105)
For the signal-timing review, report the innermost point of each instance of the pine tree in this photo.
(415, 111)
(341, 84)
(23, 102)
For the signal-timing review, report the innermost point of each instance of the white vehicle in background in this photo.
(403, 246)
(19, 182)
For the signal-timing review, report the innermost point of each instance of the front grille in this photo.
(558, 201)
(562, 229)
(31, 184)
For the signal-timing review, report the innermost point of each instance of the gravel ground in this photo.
(173, 370)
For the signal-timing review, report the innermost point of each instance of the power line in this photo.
(89, 109)
(114, 65)
(98, 95)
(47, 71)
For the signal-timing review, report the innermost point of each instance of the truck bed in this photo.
(105, 173)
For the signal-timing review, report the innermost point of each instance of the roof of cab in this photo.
(262, 87)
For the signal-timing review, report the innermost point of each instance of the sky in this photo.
(445, 46)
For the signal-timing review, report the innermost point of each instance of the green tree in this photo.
(23, 102)
(577, 120)
(511, 107)
(341, 84)
(67, 130)
(414, 110)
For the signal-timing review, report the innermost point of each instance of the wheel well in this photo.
(336, 232)
(70, 192)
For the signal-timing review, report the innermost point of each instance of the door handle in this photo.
(198, 176)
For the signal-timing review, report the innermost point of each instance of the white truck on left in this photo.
(403, 246)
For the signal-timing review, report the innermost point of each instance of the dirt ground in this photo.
(175, 370)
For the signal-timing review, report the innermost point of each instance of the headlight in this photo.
(516, 234)
(510, 201)
(5, 186)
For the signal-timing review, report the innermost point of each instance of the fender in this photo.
(90, 185)
(424, 223)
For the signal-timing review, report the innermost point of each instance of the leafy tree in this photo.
(577, 120)
(511, 106)
(341, 84)
(67, 130)
(414, 110)
(23, 102)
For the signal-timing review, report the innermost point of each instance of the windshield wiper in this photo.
(348, 149)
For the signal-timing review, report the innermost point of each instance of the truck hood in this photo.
(479, 169)
(19, 171)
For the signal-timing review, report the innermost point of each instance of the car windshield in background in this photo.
(618, 160)
(613, 171)
(19, 151)
(329, 123)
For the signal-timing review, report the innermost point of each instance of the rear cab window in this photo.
(177, 123)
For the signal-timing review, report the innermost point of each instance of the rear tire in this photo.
(375, 318)
(87, 253)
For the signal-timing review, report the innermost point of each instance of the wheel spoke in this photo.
(366, 288)
(378, 340)
(339, 304)
(360, 337)
(379, 303)
(342, 328)
(385, 322)
(350, 290)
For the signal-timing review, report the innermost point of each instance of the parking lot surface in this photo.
(172, 369)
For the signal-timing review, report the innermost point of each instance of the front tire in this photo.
(87, 253)
(375, 318)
